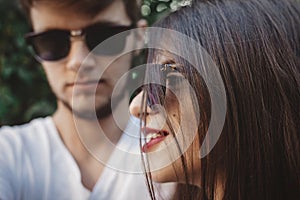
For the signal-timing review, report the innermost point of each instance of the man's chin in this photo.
(97, 113)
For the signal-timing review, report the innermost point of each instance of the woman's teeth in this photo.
(151, 136)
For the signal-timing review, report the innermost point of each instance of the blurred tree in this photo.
(24, 91)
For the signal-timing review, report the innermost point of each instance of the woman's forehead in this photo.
(163, 56)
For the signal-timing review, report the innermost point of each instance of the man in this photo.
(63, 156)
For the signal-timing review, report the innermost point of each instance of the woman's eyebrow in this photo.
(171, 65)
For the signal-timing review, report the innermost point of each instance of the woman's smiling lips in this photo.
(153, 137)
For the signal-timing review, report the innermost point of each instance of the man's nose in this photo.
(79, 57)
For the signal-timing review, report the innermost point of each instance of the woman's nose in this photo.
(135, 107)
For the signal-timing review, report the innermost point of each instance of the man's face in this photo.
(71, 72)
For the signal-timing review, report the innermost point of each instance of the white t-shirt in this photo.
(35, 164)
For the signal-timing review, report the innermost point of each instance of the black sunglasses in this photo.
(156, 92)
(55, 44)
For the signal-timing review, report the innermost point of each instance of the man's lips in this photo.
(153, 137)
(86, 85)
(85, 82)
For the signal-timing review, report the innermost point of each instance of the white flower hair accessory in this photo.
(176, 5)
(186, 3)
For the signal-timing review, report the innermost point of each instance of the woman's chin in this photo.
(164, 175)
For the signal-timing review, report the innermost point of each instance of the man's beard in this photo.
(96, 114)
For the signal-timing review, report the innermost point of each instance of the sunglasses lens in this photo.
(54, 45)
(112, 46)
(50, 46)
(156, 94)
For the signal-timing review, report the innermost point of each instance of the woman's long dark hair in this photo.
(256, 46)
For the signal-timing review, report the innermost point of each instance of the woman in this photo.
(255, 45)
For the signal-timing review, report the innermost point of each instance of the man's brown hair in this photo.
(86, 7)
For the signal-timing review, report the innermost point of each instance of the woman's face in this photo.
(164, 142)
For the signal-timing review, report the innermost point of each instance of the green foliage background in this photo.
(24, 91)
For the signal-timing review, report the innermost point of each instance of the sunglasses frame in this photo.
(29, 37)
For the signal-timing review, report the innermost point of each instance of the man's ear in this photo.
(142, 24)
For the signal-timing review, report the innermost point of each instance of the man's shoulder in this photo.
(26, 134)
(32, 126)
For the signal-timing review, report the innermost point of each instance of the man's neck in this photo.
(90, 134)
(90, 142)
